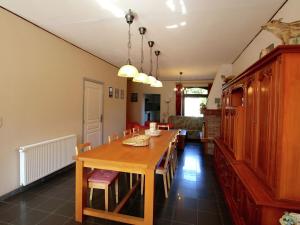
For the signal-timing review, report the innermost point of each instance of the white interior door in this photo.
(93, 109)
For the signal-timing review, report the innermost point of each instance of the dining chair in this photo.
(112, 138)
(163, 127)
(100, 179)
(164, 167)
(173, 157)
(135, 131)
(126, 132)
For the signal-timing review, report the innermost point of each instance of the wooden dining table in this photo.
(124, 158)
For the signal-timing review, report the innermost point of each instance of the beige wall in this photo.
(216, 89)
(135, 110)
(41, 91)
(289, 13)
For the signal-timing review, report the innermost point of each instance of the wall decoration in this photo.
(284, 31)
(110, 92)
(116, 92)
(134, 97)
(122, 94)
(266, 50)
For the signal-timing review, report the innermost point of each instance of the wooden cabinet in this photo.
(257, 156)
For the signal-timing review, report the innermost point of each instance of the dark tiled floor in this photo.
(195, 198)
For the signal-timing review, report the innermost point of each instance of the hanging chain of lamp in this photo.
(128, 70)
(141, 77)
(151, 78)
(157, 83)
(179, 87)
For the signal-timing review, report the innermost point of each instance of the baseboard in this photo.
(40, 181)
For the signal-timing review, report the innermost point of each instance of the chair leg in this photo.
(165, 185)
(130, 181)
(106, 198)
(91, 194)
(172, 170)
(142, 183)
(168, 178)
(117, 190)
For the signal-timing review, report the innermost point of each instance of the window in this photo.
(193, 97)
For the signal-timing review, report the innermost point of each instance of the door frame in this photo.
(83, 102)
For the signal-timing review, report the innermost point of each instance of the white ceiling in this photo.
(208, 33)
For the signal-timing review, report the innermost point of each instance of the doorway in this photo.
(93, 113)
(152, 107)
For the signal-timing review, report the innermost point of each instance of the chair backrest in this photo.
(163, 127)
(135, 131)
(112, 138)
(126, 132)
(83, 147)
(171, 148)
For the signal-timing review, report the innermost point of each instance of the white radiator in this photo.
(41, 159)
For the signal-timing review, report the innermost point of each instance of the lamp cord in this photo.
(150, 61)
(156, 67)
(142, 54)
(129, 45)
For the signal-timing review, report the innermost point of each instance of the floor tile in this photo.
(194, 198)
(185, 216)
(54, 220)
(205, 218)
(32, 217)
(67, 209)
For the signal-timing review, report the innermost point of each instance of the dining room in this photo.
(149, 112)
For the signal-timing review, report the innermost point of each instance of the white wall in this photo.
(289, 13)
(41, 91)
(135, 110)
(216, 89)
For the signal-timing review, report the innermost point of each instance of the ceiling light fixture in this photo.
(109, 6)
(141, 77)
(128, 70)
(182, 23)
(179, 87)
(174, 26)
(157, 83)
(183, 8)
(151, 78)
(171, 5)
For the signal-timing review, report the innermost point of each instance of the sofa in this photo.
(193, 125)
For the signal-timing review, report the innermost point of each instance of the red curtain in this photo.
(178, 99)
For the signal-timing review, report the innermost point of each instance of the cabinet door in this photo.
(238, 141)
(264, 109)
(250, 131)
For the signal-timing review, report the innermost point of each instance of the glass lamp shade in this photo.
(141, 78)
(128, 71)
(157, 83)
(151, 80)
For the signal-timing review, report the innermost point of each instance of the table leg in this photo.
(80, 194)
(149, 197)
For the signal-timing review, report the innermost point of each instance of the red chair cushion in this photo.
(103, 176)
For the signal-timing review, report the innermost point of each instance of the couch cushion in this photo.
(186, 122)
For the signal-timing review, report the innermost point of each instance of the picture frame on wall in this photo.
(134, 97)
(122, 94)
(110, 92)
(116, 92)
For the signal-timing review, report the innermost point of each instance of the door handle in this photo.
(101, 118)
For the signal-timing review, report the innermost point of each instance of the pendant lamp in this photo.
(151, 79)
(141, 77)
(179, 85)
(157, 83)
(128, 70)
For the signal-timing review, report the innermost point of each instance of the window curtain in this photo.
(178, 99)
